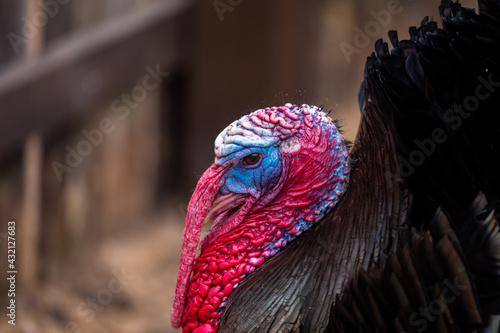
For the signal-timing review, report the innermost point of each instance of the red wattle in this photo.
(197, 210)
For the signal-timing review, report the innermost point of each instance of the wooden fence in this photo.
(109, 107)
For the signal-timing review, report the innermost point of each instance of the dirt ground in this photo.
(126, 284)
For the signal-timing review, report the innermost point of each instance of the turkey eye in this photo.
(251, 159)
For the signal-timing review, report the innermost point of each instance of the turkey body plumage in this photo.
(414, 244)
(401, 234)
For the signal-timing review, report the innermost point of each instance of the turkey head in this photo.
(276, 172)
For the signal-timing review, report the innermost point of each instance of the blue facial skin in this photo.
(252, 179)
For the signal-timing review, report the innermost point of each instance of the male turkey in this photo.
(403, 231)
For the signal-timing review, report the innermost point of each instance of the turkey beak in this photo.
(223, 204)
(198, 208)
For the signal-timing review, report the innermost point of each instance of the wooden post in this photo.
(11, 29)
(29, 226)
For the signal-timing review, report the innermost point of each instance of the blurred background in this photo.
(108, 113)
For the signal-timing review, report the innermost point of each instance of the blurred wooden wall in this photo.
(62, 80)
(66, 77)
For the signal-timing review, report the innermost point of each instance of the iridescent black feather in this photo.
(414, 245)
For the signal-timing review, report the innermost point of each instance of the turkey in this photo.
(398, 233)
